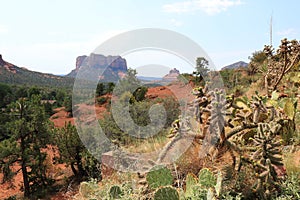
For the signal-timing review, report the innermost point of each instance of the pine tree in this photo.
(29, 132)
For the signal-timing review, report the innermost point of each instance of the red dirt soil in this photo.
(60, 118)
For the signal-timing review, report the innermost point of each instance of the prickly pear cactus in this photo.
(206, 178)
(190, 182)
(115, 192)
(166, 193)
(218, 186)
(159, 176)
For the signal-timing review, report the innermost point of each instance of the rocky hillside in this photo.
(236, 65)
(113, 67)
(11, 74)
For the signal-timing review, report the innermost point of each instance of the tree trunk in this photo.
(81, 171)
(73, 169)
(24, 170)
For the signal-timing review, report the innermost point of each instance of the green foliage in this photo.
(128, 84)
(111, 129)
(23, 77)
(206, 178)
(140, 93)
(164, 193)
(48, 107)
(218, 186)
(139, 113)
(115, 192)
(100, 89)
(256, 61)
(228, 78)
(191, 182)
(110, 87)
(101, 100)
(68, 105)
(5, 91)
(33, 91)
(229, 196)
(206, 186)
(60, 97)
(29, 132)
(159, 176)
(107, 191)
(89, 189)
(290, 188)
(74, 154)
(286, 59)
(104, 88)
(290, 108)
(201, 68)
(266, 155)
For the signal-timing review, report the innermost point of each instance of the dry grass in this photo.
(292, 162)
(147, 146)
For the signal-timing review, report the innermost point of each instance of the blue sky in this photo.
(47, 36)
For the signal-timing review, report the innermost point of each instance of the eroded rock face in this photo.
(113, 65)
(172, 76)
(97, 60)
(79, 61)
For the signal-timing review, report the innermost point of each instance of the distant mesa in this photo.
(236, 65)
(114, 66)
(172, 75)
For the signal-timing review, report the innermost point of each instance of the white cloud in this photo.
(210, 7)
(287, 32)
(3, 29)
(176, 22)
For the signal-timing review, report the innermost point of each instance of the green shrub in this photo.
(115, 192)
(290, 188)
(101, 100)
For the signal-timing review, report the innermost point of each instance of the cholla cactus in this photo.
(288, 54)
(266, 154)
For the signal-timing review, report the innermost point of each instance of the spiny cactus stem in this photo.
(239, 129)
(233, 146)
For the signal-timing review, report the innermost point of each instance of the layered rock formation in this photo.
(79, 61)
(114, 66)
(172, 76)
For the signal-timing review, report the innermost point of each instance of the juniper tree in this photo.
(74, 154)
